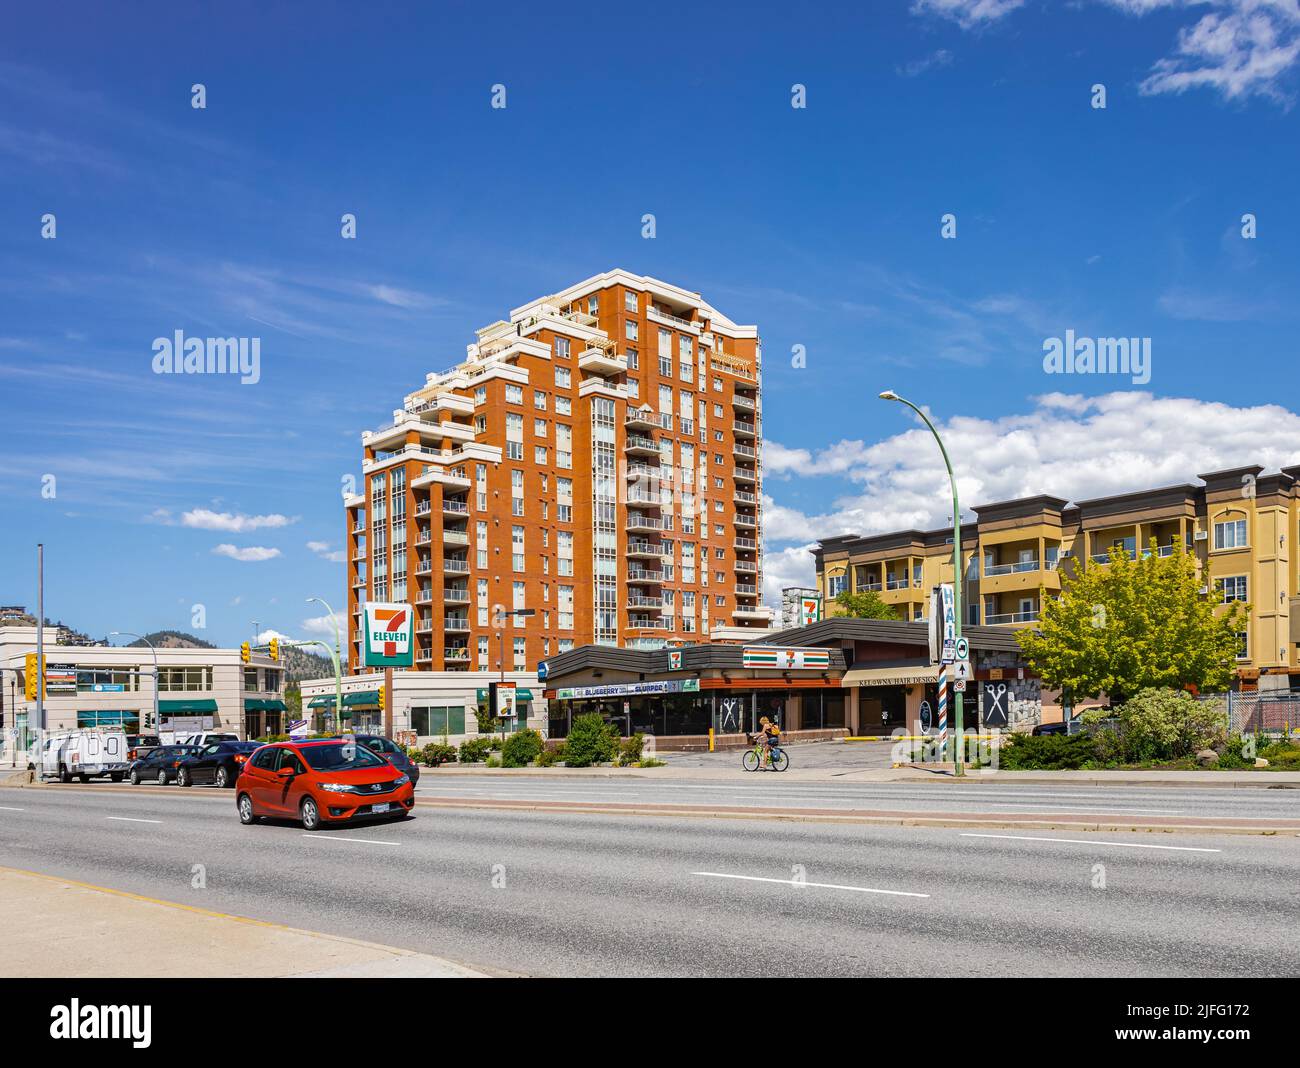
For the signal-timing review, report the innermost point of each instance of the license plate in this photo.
(381, 807)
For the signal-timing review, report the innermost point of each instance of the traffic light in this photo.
(382, 706)
(245, 652)
(275, 648)
(32, 678)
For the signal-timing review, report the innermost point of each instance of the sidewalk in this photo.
(70, 930)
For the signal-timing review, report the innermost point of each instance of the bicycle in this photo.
(753, 759)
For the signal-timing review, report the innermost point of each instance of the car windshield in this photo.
(340, 756)
(379, 745)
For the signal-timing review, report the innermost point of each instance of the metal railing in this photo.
(1011, 617)
(1019, 567)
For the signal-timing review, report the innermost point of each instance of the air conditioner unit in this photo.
(1200, 535)
(1204, 591)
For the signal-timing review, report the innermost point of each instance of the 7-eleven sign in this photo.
(389, 630)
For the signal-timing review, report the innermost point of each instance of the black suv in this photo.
(218, 763)
(159, 764)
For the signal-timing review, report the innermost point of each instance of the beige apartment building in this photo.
(594, 458)
(1240, 524)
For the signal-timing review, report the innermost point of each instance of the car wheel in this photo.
(183, 778)
(84, 778)
(135, 778)
(162, 776)
(223, 778)
(64, 774)
(246, 816)
(310, 815)
(115, 776)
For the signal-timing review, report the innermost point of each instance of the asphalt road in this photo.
(563, 894)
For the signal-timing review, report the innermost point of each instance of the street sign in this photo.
(943, 625)
(963, 648)
(997, 701)
(389, 631)
(926, 713)
(959, 686)
(961, 670)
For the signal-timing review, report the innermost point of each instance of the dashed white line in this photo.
(1091, 842)
(6, 808)
(128, 819)
(340, 838)
(801, 885)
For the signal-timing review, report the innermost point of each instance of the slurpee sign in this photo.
(389, 635)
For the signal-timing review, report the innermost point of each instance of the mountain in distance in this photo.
(298, 664)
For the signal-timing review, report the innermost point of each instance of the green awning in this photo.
(198, 704)
(322, 701)
(274, 704)
(361, 699)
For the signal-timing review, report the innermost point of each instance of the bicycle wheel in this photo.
(750, 760)
(780, 760)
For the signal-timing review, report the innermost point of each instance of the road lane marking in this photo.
(6, 808)
(800, 886)
(1087, 841)
(128, 819)
(340, 838)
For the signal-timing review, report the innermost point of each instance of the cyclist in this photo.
(768, 735)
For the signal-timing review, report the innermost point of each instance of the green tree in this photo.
(1134, 624)
(864, 605)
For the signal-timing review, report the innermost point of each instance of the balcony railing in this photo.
(636, 521)
(455, 623)
(746, 521)
(456, 652)
(893, 583)
(423, 596)
(456, 567)
(746, 589)
(1020, 567)
(641, 442)
(1011, 617)
(745, 496)
(667, 317)
(744, 450)
(746, 565)
(643, 547)
(455, 537)
(455, 596)
(455, 507)
(642, 574)
(638, 470)
(748, 429)
(644, 499)
(645, 623)
(640, 601)
(746, 543)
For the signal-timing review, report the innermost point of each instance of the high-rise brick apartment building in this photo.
(595, 458)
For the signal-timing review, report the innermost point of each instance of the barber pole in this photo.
(943, 712)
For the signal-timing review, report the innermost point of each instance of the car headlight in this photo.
(336, 787)
(402, 779)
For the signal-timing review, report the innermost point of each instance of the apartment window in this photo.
(514, 394)
(518, 592)
(480, 394)
(1234, 588)
(593, 306)
(539, 400)
(563, 377)
(483, 654)
(836, 585)
(539, 428)
(539, 456)
(630, 330)
(1243, 645)
(563, 445)
(629, 300)
(1230, 535)
(517, 557)
(480, 424)
(565, 605)
(633, 360)
(633, 388)
(562, 348)
(520, 657)
(563, 406)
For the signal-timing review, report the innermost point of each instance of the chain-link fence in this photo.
(1259, 712)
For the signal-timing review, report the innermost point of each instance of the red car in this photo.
(329, 781)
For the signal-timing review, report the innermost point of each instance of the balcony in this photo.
(424, 567)
(641, 499)
(744, 430)
(424, 625)
(455, 624)
(731, 364)
(636, 521)
(639, 547)
(454, 507)
(644, 576)
(742, 542)
(641, 419)
(747, 566)
(746, 521)
(424, 596)
(750, 612)
(645, 623)
(900, 582)
(639, 600)
(745, 474)
(746, 589)
(602, 361)
(451, 595)
(424, 656)
(455, 537)
(455, 567)
(641, 445)
(456, 652)
(423, 508)
(745, 450)
(744, 404)
(745, 497)
(668, 319)
(640, 470)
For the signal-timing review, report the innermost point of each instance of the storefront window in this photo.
(128, 720)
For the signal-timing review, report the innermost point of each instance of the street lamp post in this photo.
(958, 696)
(338, 660)
(157, 723)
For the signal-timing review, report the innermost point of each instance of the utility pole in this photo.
(40, 641)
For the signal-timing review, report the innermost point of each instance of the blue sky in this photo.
(821, 224)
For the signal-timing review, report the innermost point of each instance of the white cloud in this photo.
(968, 14)
(235, 523)
(322, 549)
(264, 636)
(247, 554)
(323, 626)
(1068, 445)
(939, 58)
(789, 566)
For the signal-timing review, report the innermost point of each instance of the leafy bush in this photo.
(1232, 758)
(475, 750)
(590, 741)
(629, 751)
(651, 762)
(1162, 724)
(494, 761)
(436, 753)
(1283, 755)
(521, 749)
(1047, 752)
(550, 756)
